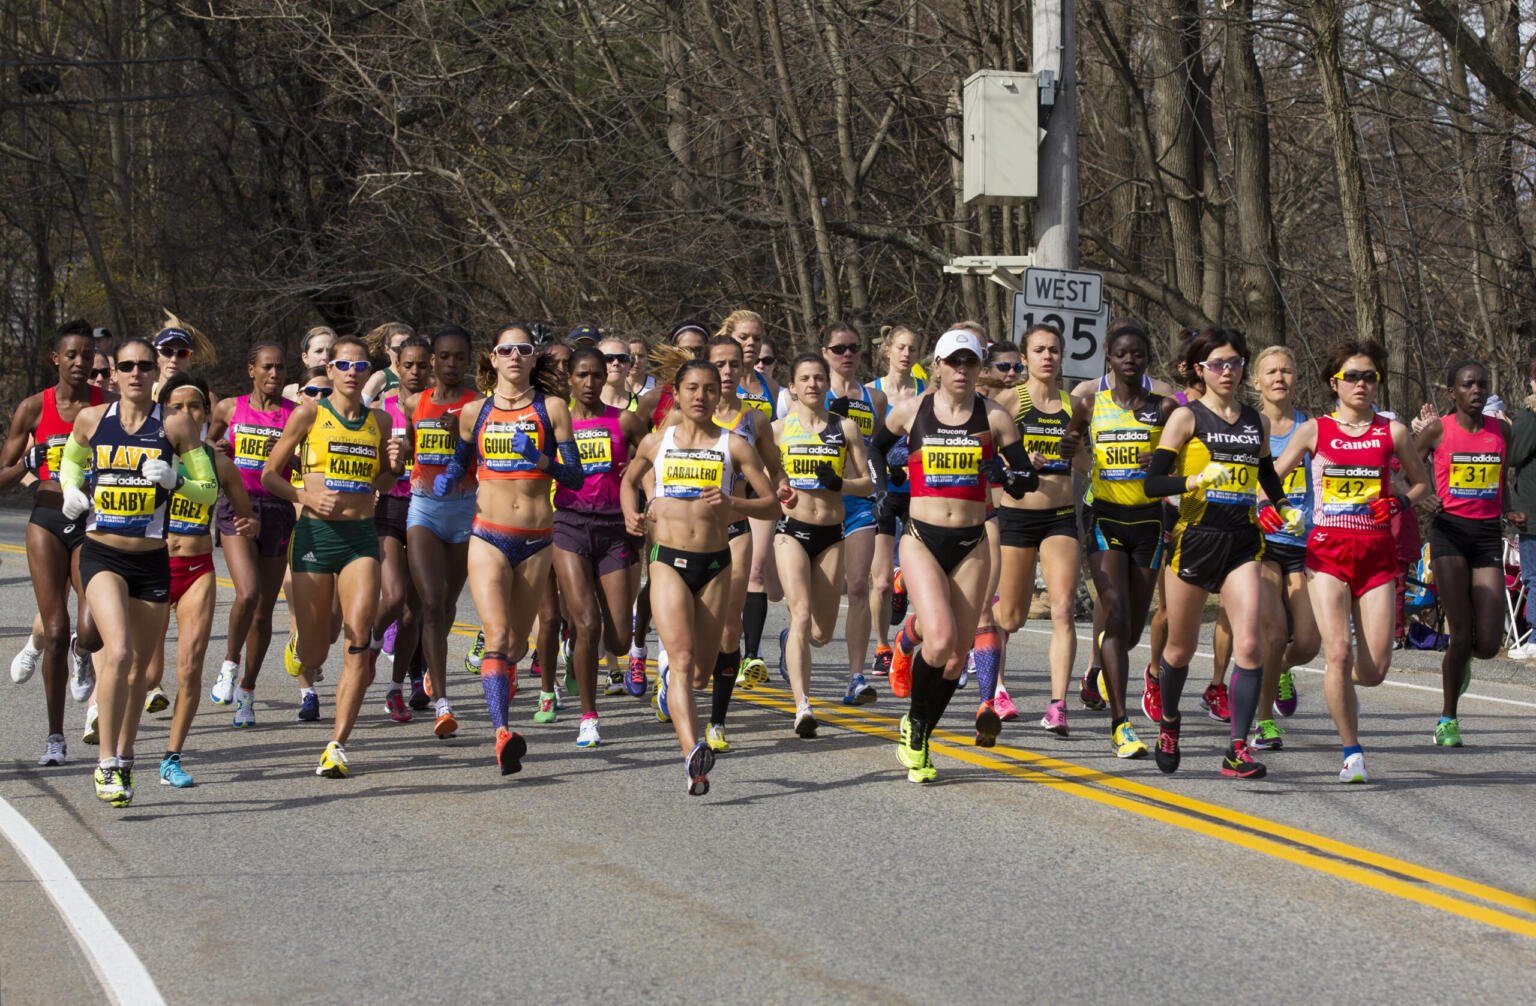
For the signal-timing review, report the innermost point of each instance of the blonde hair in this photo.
(736, 317)
(202, 349)
(667, 358)
(1269, 351)
(377, 339)
(314, 333)
(889, 332)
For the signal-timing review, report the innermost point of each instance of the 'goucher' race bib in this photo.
(686, 474)
(1118, 453)
(1474, 476)
(951, 461)
(595, 448)
(801, 461)
(496, 444)
(1349, 488)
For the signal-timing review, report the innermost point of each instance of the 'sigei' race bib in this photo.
(1118, 453)
(685, 474)
(595, 448)
(1474, 476)
(1349, 488)
(496, 444)
(951, 461)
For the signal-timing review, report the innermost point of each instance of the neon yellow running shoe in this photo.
(917, 762)
(751, 672)
(1126, 743)
(1448, 734)
(291, 656)
(715, 736)
(333, 762)
(156, 701)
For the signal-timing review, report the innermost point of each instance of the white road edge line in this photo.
(117, 967)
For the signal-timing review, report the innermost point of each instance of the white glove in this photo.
(162, 473)
(76, 502)
(1215, 474)
(1295, 520)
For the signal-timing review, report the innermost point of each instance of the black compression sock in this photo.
(754, 613)
(938, 699)
(725, 685)
(1245, 699)
(1172, 679)
(925, 680)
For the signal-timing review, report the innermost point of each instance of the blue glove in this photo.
(453, 474)
(523, 445)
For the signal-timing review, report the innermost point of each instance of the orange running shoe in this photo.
(446, 726)
(901, 660)
(510, 749)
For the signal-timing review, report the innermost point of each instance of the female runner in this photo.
(246, 427)
(314, 351)
(437, 523)
(385, 339)
(124, 566)
(179, 346)
(1466, 539)
(348, 455)
(954, 436)
(594, 555)
(46, 418)
(1041, 527)
(692, 467)
(617, 360)
(899, 348)
(399, 601)
(1351, 557)
(823, 458)
(639, 380)
(519, 437)
(193, 585)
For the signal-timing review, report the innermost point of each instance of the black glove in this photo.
(896, 476)
(828, 476)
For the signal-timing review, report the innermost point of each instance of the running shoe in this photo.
(546, 712)
(156, 701)
(25, 663)
(291, 656)
(1055, 718)
(172, 774)
(53, 750)
(394, 705)
(1286, 694)
(1088, 694)
(559, 694)
(1214, 702)
(391, 635)
(511, 748)
(1004, 705)
(714, 736)
(752, 671)
(615, 684)
(1447, 734)
(882, 662)
(700, 760)
(91, 735)
(309, 708)
(223, 691)
(1266, 736)
(534, 671)
(82, 673)
(988, 725)
(476, 653)
(805, 723)
(1151, 696)
(112, 785)
(659, 698)
(1167, 753)
(901, 667)
(634, 681)
(1125, 742)
(419, 697)
(967, 670)
(914, 759)
(860, 692)
(1238, 763)
(333, 762)
(1354, 769)
(587, 735)
(783, 656)
(445, 725)
(1466, 678)
(898, 599)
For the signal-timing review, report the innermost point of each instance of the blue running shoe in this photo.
(700, 760)
(659, 698)
(309, 708)
(783, 663)
(860, 692)
(172, 774)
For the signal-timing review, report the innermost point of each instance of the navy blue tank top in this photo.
(123, 501)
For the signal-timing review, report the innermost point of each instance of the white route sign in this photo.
(1072, 301)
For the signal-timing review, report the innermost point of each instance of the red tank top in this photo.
(1469, 469)
(946, 461)
(664, 403)
(53, 431)
(437, 435)
(1348, 472)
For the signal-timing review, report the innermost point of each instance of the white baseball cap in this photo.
(958, 340)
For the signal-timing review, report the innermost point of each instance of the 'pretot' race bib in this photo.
(1119, 453)
(951, 461)
(686, 474)
(1349, 488)
(1474, 476)
(595, 447)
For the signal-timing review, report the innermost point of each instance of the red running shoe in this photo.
(1214, 702)
(394, 704)
(1238, 763)
(1151, 696)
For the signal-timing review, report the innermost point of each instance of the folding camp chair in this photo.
(1516, 631)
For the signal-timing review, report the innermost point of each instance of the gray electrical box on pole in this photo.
(1002, 132)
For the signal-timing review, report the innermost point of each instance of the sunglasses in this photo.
(353, 366)
(1223, 366)
(617, 358)
(178, 352)
(1008, 368)
(129, 366)
(514, 349)
(397, 347)
(843, 348)
(1358, 376)
(767, 361)
(101, 372)
(314, 392)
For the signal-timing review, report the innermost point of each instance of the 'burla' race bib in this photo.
(496, 444)
(686, 474)
(951, 461)
(1474, 476)
(801, 461)
(1118, 453)
(1349, 488)
(595, 448)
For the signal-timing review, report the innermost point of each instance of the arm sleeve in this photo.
(1159, 481)
(884, 440)
(201, 485)
(1020, 471)
(1269, 481)
(72, 467)
(565, 465)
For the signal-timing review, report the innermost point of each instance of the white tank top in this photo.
(684, 473)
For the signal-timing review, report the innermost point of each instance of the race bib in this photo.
(435, 443)
(123, 502)
(1045, 439)
(1119, 453)
(686, 474)
(253, 445)
(351, 467)
(1296, 483)
(951, 461)
(55, 453)
(595, 448)
(1349, 488)
(183, 516)
(1475, 476)
(496, 444)
(801, 461)
(1245, 479)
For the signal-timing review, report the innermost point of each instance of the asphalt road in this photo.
(1044, 869)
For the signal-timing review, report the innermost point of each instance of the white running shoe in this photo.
(245, 710)
(587, 736)
(89, 735)
(223, 691)
(53, 750)
(82, 676)
(1354, 769)
(25, 663)
(1525, 651)
(969, 669)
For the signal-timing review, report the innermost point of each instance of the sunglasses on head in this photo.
(1223, 366)
(617, 358)
(354, 366)
(101, 372)
(129, 366)
(514, 349)
(179, 352)
(1357, 376)
(843, 348)
(316, 392)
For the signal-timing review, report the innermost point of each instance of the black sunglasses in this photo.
(767, 361)
(101, 372)
(843, 348)
(617, 358)
(142, 366)
(314, 392)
